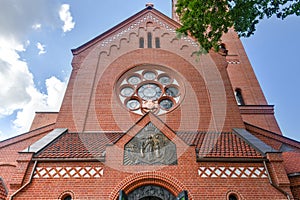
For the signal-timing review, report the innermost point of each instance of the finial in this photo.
(149, 5)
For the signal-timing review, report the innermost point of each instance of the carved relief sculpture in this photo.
(150, 146)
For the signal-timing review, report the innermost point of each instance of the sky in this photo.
(36, 38)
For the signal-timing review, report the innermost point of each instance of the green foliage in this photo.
(208, 20)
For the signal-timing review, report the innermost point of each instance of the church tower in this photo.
(144, 117)
(174, 15)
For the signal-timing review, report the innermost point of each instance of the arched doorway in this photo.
(151, 192)
(151, 198)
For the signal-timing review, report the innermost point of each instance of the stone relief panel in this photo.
(151, 192)
(150, 147)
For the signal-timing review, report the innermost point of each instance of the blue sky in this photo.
(36, 38)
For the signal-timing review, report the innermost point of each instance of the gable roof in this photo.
(27, 135)
(220, 145)
(237, 145)
(93, 145)
(291, 162)
(44, 141)
(79, 146)
(289, 147)
(130, 22)
(272, 137)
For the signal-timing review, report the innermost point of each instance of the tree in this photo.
(208, 20)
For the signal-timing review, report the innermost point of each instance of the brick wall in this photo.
(91, 102)
(184, 176)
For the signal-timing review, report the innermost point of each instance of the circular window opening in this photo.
(150, 88)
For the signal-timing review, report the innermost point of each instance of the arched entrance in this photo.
(151, 192)
(153, 185)
(151, 198)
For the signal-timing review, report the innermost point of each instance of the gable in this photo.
(150, 146)
(149, 17)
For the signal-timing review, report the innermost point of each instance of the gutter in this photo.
(100, 159)
(29, 181)
(274, 185)
(257, 160)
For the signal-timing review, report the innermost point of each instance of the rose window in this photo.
(150, 88)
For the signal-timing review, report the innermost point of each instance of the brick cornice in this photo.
(257, 109)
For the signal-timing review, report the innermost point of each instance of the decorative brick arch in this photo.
(137, 180)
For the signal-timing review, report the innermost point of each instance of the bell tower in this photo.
(174, 15)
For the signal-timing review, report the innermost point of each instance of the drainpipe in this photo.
(29, 181)
(274, 185)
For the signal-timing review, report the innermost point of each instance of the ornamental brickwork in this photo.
(146, 117)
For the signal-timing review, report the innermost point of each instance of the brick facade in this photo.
(221, 148)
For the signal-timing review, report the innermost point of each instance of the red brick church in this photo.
(145, 117)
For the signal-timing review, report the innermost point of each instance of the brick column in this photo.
(21, 169)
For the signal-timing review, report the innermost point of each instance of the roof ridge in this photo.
(256, 143)
(277, 136)
(45, 141)
(26, 136)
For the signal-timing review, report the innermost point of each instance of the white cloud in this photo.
(15, 78)
(37, 26)
(17, 18)
(41, 48)
(66, 17)
(18, 91)
(40, 102)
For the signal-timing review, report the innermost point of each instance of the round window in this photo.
(133, 104)
(150, 88)
(127, 91)
(134, 80)
(149, 91)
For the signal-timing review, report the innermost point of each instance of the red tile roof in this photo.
(291, 162)
(220, 145)
(79, 145)
(92, 145)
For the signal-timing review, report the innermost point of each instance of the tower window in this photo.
(68, 197)
(142, 42)
(232, 197)
(149, 40)
(157, 42)
(239, 97)
(223, 49)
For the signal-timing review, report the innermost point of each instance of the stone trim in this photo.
(68, 172)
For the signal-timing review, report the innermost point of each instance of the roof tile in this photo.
(79, 145)
(219, 145)
(92, 145)
(291, 162)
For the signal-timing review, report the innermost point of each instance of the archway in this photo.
(155, 178)
(151, 198)
(151, 192)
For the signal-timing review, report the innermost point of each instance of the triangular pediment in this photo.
(148, 17)
(150, 146)
(151, 142)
